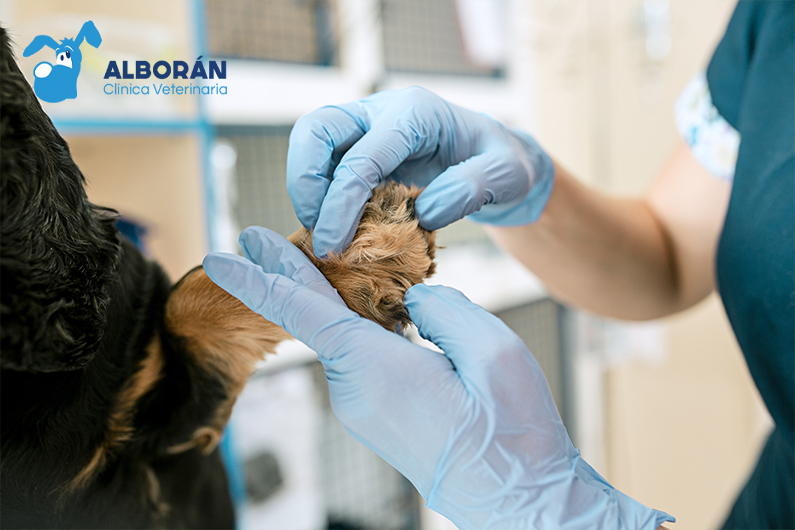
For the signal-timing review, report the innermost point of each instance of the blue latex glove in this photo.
(475, 430)
(470, 163)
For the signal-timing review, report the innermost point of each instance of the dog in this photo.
(115, 384)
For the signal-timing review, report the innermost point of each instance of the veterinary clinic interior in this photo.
(665, 410)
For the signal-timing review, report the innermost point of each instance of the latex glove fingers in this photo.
(481, 180)
(516, 209)
(274, 253)
(496, 187)
(265, 294)
(317, 142)
(374, 136)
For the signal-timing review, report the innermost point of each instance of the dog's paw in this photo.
(389, 253)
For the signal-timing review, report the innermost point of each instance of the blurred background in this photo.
(665, 410)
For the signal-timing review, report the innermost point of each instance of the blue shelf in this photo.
(127, 126)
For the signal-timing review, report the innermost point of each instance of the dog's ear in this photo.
(223, 340)
(58, 252)
(38, 43)
(90, 33)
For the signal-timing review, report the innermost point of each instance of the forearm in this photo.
(604, 254)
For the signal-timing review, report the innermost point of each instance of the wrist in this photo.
(541, 170)
(575, 497)
(615, 507)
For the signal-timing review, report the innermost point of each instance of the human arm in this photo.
(628, 258)
(474, 429)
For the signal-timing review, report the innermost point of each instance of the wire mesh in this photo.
(272, 30)
(262, 197)
(423, 36)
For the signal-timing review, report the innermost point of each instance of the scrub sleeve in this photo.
(751, 81)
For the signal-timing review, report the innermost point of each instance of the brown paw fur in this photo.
(389, 253)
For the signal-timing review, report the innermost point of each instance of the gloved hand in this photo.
(470, 163)
(475, 430)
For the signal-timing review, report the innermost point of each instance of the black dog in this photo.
(115, 385)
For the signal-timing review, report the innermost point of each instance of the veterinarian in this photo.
(476, 430)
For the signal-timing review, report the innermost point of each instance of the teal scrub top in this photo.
(751, 78)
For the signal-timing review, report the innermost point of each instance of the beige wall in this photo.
(153, 180)
(681, 436)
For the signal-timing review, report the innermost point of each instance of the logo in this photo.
(55, 83)
(164, 70)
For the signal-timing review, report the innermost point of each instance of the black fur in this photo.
(59, 252)
(78, 308)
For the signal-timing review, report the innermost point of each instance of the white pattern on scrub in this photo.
(712, 140)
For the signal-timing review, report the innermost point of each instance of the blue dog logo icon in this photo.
(55, 83)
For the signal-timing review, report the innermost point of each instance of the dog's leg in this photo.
(389, 254)
(224, 339)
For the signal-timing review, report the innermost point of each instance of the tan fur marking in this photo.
(225, 337)
(389, 253)
(120, 422)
